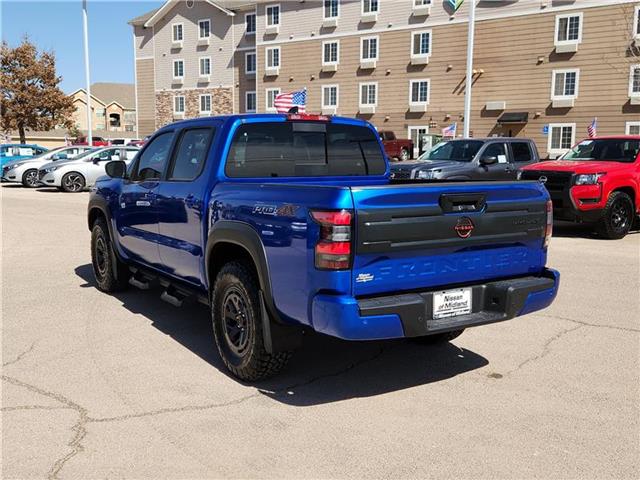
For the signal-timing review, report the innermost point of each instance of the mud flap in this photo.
(277, 336)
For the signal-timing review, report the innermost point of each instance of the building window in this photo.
(178, 104)
(421, 3)
(564, 84)
(270, 98)
(419, 92)
(273, 15)
(330, 52)
(636, 23)
(632, 128)
(634, 81)
(178, 69)
(177, 32)
(100, 112)
(205, 66)
(204, 29)
(250, 102)
(561, 137)
(205, 103)
(369, 48)
(250, 63)
(368, 94)
(331, 9)
(273, 57)
(421, 44)
(568, 29)
(330, 96)
(250, 23)
(370, 6)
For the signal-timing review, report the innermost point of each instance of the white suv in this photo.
(25, 171)
(75, 175)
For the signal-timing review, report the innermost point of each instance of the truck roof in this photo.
(273, 116)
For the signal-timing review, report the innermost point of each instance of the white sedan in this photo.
(26, 171)
(75, 175)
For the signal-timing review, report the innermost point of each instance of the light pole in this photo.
(469, 81)
(86, 72)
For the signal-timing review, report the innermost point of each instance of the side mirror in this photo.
(116, 169)
(488, 160)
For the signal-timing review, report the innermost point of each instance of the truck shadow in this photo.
(324, 369)
(563, 229)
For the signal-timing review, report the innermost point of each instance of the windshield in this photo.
(613, 150)
(455, 150)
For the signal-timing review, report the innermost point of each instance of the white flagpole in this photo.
(86, 71)
(469, 81)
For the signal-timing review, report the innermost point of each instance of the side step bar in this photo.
(173, 296)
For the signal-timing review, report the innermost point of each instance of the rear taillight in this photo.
(333, 250)
(548, 231)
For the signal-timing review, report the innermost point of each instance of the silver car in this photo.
(25, 171)
(77, 174)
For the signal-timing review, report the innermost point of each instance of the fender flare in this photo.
(278, 335)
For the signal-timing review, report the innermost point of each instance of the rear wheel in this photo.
(438, 337)
(404, 155)
(617, 217)
(73, 182)
(237, 325)
(111, 274)
(30, 178)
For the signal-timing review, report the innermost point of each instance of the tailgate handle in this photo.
(459, 203)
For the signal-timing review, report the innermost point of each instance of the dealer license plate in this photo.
(452, 303)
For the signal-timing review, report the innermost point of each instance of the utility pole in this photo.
(86, 71)
(469, 81)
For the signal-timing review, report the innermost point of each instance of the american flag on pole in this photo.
(286, 101)
(450, 131)
(592, 129)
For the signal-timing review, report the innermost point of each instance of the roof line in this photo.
(169, 4)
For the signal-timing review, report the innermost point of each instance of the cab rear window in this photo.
(303, 149)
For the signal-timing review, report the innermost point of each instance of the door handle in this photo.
(190, 201)
(143, 203)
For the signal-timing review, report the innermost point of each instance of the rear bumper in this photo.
(410, 314)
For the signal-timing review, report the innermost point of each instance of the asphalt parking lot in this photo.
(128, 386)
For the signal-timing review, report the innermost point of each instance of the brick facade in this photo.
(221, 103)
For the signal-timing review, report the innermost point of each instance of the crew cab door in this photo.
(522, 154)
(501, 169)
(137, 219)
(181, 205)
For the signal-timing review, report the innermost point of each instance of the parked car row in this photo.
(597, 182)
(71, 169)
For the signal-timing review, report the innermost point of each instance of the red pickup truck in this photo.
(597, 182)
(399, 148)
(97, 141)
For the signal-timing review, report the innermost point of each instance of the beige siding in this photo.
(220, 48)
(507, 50)
(143, 41)
(244, 82)
(145, 89)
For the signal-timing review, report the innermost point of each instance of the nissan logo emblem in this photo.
(464, 227)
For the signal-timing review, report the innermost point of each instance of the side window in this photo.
(191, 154)
(497, 150)
(154, 158)
(521, 152)
(109, 155)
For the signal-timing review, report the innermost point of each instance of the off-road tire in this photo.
(404, 155)
(237, 325)
(438, 337)
(617, 217)
(111, 274)
(73, 182)
(28, 179)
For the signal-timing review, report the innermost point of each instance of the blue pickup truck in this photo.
(283, 223)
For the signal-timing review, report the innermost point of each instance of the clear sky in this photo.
(57, 26)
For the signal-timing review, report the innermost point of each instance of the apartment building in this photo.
(543, 68)
(113, 107)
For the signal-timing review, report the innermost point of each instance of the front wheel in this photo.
(111, 274)
(73, 182)
(438, 337)
(237, 325)
(30, 178)
(404, 155)
(617, 217)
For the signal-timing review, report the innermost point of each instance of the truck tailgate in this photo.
(423, 236)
